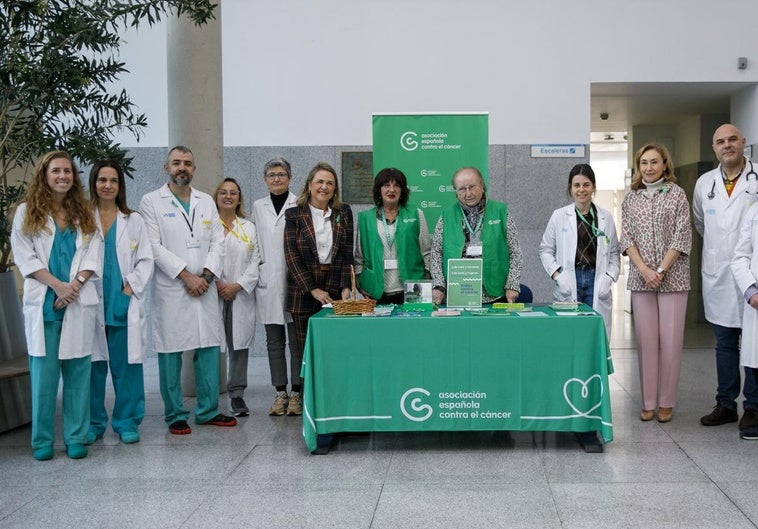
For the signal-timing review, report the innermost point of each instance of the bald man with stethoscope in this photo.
(721, 198)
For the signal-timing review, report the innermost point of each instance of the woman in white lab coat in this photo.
(580, 249)
(56, 249)
(268, 216)
(121, 330)
(236, 287)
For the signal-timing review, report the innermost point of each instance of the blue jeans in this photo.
(728, 370)
(585, 285)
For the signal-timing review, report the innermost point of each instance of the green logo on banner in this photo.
(429, 148)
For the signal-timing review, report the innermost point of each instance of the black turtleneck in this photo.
(279, 200)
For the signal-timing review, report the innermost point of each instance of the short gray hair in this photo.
(278, 161)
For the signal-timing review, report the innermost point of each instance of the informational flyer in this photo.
(464, 283)
(418, 295)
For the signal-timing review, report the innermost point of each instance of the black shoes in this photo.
(719, 415)
(222, 420)
(179, 428)
(239, 408)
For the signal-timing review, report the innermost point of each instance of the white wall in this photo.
(744, 108)
(298, 72)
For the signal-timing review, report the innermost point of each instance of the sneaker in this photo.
(222, 420)
(279, 407)
(295, 406)
(179, 428)
(749, 434)
(239, 408)
(749, 419)
(719, 415)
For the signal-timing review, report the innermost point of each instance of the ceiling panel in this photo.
(629, 104)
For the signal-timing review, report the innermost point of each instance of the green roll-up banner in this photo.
(429, 148)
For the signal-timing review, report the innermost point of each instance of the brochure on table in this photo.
(418, 295)
(464, 283)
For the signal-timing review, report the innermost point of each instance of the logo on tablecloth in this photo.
(581, 403)
(418, 412)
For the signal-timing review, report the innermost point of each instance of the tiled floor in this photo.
(260, 475)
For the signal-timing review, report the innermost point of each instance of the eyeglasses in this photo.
(464, 190)
(274, 176)
(224, 192)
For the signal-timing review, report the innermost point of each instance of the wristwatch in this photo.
(660, 270)
(208, 278)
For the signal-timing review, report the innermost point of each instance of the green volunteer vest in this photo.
(410, 262)
(495, 253)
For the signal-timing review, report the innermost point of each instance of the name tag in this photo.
(710, 211)
(474, 250)
(192, 242)
(390, 264)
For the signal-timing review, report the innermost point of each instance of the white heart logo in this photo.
(585, 392)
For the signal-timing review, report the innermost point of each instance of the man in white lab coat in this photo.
(719, 203)
(188, 245)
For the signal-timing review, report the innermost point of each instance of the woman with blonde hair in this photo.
(318, 248)
(236, 287)
(57, 250)
(656, 235)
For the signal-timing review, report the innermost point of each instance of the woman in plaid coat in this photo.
(318, 249)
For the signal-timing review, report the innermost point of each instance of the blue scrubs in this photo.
(128, 381)
(46, 371)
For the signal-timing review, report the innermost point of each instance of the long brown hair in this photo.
(39, 200)
(120, 196)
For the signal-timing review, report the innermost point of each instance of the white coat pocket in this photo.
(604, 287)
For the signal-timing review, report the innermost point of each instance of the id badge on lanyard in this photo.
(474, 250)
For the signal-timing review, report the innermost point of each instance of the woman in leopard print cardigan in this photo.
(656, 235)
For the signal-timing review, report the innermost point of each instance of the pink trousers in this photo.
(659, 328)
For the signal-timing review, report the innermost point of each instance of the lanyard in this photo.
(241, 235)
(190, 222)
(473, 231)
(596, 232)
(387, 235)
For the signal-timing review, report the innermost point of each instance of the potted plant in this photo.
(58, 66)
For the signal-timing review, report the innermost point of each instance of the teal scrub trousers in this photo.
(46, 372)
(205, 362)
(128, 386)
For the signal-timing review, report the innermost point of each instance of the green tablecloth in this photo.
(469, 372)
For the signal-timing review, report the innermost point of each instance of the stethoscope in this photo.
(752, 185)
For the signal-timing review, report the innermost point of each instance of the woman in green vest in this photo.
(393, 241)
(478, 228)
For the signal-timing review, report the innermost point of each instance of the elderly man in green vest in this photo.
(478, 228)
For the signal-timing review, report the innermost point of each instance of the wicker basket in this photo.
(353, 306)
